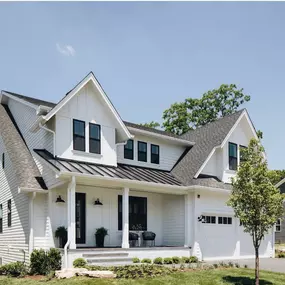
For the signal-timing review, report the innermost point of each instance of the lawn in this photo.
(203, 277)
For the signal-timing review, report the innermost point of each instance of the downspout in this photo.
(31, 239)
(53, 133)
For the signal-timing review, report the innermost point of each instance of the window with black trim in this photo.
(278, 226)
(142, 151)
(1, 219)
(137, 213)
(241, 156)
(78, 135)
(129, 150)
(225, 220)
(154, 149)
(232, 156)
(3, 160)
(9, 213)
(94, 138)
(208, 219)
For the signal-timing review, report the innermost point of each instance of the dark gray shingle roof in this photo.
(22, 161)
(205, 138)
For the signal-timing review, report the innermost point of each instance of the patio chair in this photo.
(133, 239)
(149, 238)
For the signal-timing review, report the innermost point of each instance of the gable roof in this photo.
(24, 166)
(206, 138)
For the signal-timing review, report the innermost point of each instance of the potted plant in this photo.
(61, 234)
(100, 236)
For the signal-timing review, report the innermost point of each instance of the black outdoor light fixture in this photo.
(201, 219)
(97, 202)
(59, 200)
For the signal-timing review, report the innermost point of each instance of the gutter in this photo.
(31, 190)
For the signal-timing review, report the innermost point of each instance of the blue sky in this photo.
(150, 55)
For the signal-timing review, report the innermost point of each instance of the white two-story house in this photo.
(77, 164)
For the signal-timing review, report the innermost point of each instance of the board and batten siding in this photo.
(25, 117)
(169, 153)
(15, 239)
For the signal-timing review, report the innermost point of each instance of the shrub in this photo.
(237, 265)
(245, 266)
(216, 265)
(136, 260)
(193, 259)
(280, 254)
(230, 264)
(167, 260)
(14, 269)
(146, 260)
(176, 259)
(79, 263)
(53, 259)
(158, 260)
(185, 259)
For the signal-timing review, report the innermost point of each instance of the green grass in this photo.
(203, 277)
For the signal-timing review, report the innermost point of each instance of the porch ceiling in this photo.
(122, 171)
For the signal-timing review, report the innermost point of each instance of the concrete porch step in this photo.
(110, 260)
(105, 254)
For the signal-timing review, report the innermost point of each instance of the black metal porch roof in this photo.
(123, 171)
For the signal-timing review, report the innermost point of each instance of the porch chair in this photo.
(148, 238)
(133, 239)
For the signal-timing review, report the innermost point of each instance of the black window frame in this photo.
(135, 219)
(154, 156)
(79, 136)
(222, 220)
(206, 219)
(1, 218)
(129, 153)
(95, 139)
(142, 152)
(232, 159)
(3, 160)
(278, 225)
(9, 213)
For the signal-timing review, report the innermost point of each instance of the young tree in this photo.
(256, 202)
(151, 124)
(192, 113)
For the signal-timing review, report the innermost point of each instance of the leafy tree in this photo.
(151, 124)
(193, 112)
(276, 175)
(256, 202)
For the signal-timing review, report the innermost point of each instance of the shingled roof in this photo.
(206, 138)
(22, 161)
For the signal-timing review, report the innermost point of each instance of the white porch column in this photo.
(187, 200)
(71, 213)
(125, 224)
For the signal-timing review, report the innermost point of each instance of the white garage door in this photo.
(216, 236)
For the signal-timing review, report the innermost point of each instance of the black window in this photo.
(94, 138)
(154, 153)
(225, 220)
(142, 151)
(241, 155)
(208, 219)
(3, 160)
(1, 218)
(137, 213)
(278, 226)
(232, 156)
(9, 213)
(78, 135)
(129, 150)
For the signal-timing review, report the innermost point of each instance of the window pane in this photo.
(79, 128)
(142, 146)
(128, 150)
(94, 131)
(94, 146)
(154, 154)
(225, 220)
(220, 220)
(142, 151)
(232, 150)
(154, 149)
(79, 143)
(230, 221)
(232, 163)
(142, 156)
(213, 220)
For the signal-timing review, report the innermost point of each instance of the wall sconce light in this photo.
(97, 202)
(201, 219)
(59, 200)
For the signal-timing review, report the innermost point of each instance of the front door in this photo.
(80, 218)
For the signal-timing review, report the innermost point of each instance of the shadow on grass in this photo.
(241, 280)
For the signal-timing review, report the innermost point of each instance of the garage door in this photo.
(216, 236)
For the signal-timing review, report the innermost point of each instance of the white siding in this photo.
(169, 153)
(14, 238)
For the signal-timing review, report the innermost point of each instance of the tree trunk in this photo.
(256, 266)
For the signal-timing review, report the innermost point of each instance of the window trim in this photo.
(9, 213)
(74, 135)
(99, 140)
(130, 150)
(229, 156)
(141, 142)
(280, 223)
(151, 153)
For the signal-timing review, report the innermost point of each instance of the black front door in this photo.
(80, 217)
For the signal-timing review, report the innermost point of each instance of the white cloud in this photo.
(66, 50)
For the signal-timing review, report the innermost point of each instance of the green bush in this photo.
(136, 260)
(176, 259)
(230, 264)
(167, 260)
(14, 269)
(185, 259)
(158, 260)
(193, 259)
(280, 254)
(79, 263)
(42, 263)
(146, 260)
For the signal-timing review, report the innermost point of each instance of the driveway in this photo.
(269, 264)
